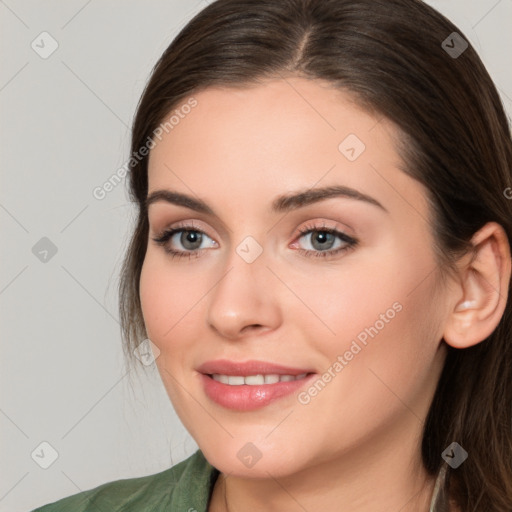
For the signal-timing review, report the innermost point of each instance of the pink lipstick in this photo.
(250, 385)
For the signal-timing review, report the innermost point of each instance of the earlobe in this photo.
(484, 283)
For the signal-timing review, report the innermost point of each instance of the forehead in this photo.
(267, 119)
(280, 135)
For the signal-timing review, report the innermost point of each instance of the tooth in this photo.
(254, 379)
(236, 380)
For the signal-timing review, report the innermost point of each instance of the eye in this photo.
(324, 241)
(191, 239)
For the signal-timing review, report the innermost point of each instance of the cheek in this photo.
(350, 299)
(383, 312)
(385, 341)
(167, 296)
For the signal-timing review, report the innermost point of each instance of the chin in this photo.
(250, 460)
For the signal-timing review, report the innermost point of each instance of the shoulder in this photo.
(185, 486)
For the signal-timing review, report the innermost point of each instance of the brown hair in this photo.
(455, 140)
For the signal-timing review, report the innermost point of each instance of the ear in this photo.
(482, 295)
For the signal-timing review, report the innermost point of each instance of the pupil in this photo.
(322, 237)
(190, 238)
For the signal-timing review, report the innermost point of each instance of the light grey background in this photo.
(64, 131)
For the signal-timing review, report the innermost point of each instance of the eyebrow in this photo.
(281, 204)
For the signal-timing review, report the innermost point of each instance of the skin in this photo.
(356, 445)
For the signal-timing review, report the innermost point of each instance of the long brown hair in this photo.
(390, 55)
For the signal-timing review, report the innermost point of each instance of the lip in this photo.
(226, 367)
(249, 397)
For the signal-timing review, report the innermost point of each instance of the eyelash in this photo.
(164, 237)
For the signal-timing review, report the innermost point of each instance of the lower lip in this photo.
(249, 398)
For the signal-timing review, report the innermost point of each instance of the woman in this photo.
(322, 263)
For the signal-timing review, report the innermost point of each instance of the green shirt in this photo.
(186, 487)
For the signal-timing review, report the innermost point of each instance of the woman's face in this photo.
(258, 279)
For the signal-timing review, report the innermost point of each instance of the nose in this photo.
(244, 301)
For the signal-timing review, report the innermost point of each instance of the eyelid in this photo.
(319, 224)
(185, 225)
(160, 214)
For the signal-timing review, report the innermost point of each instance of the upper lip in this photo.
(238, 368)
